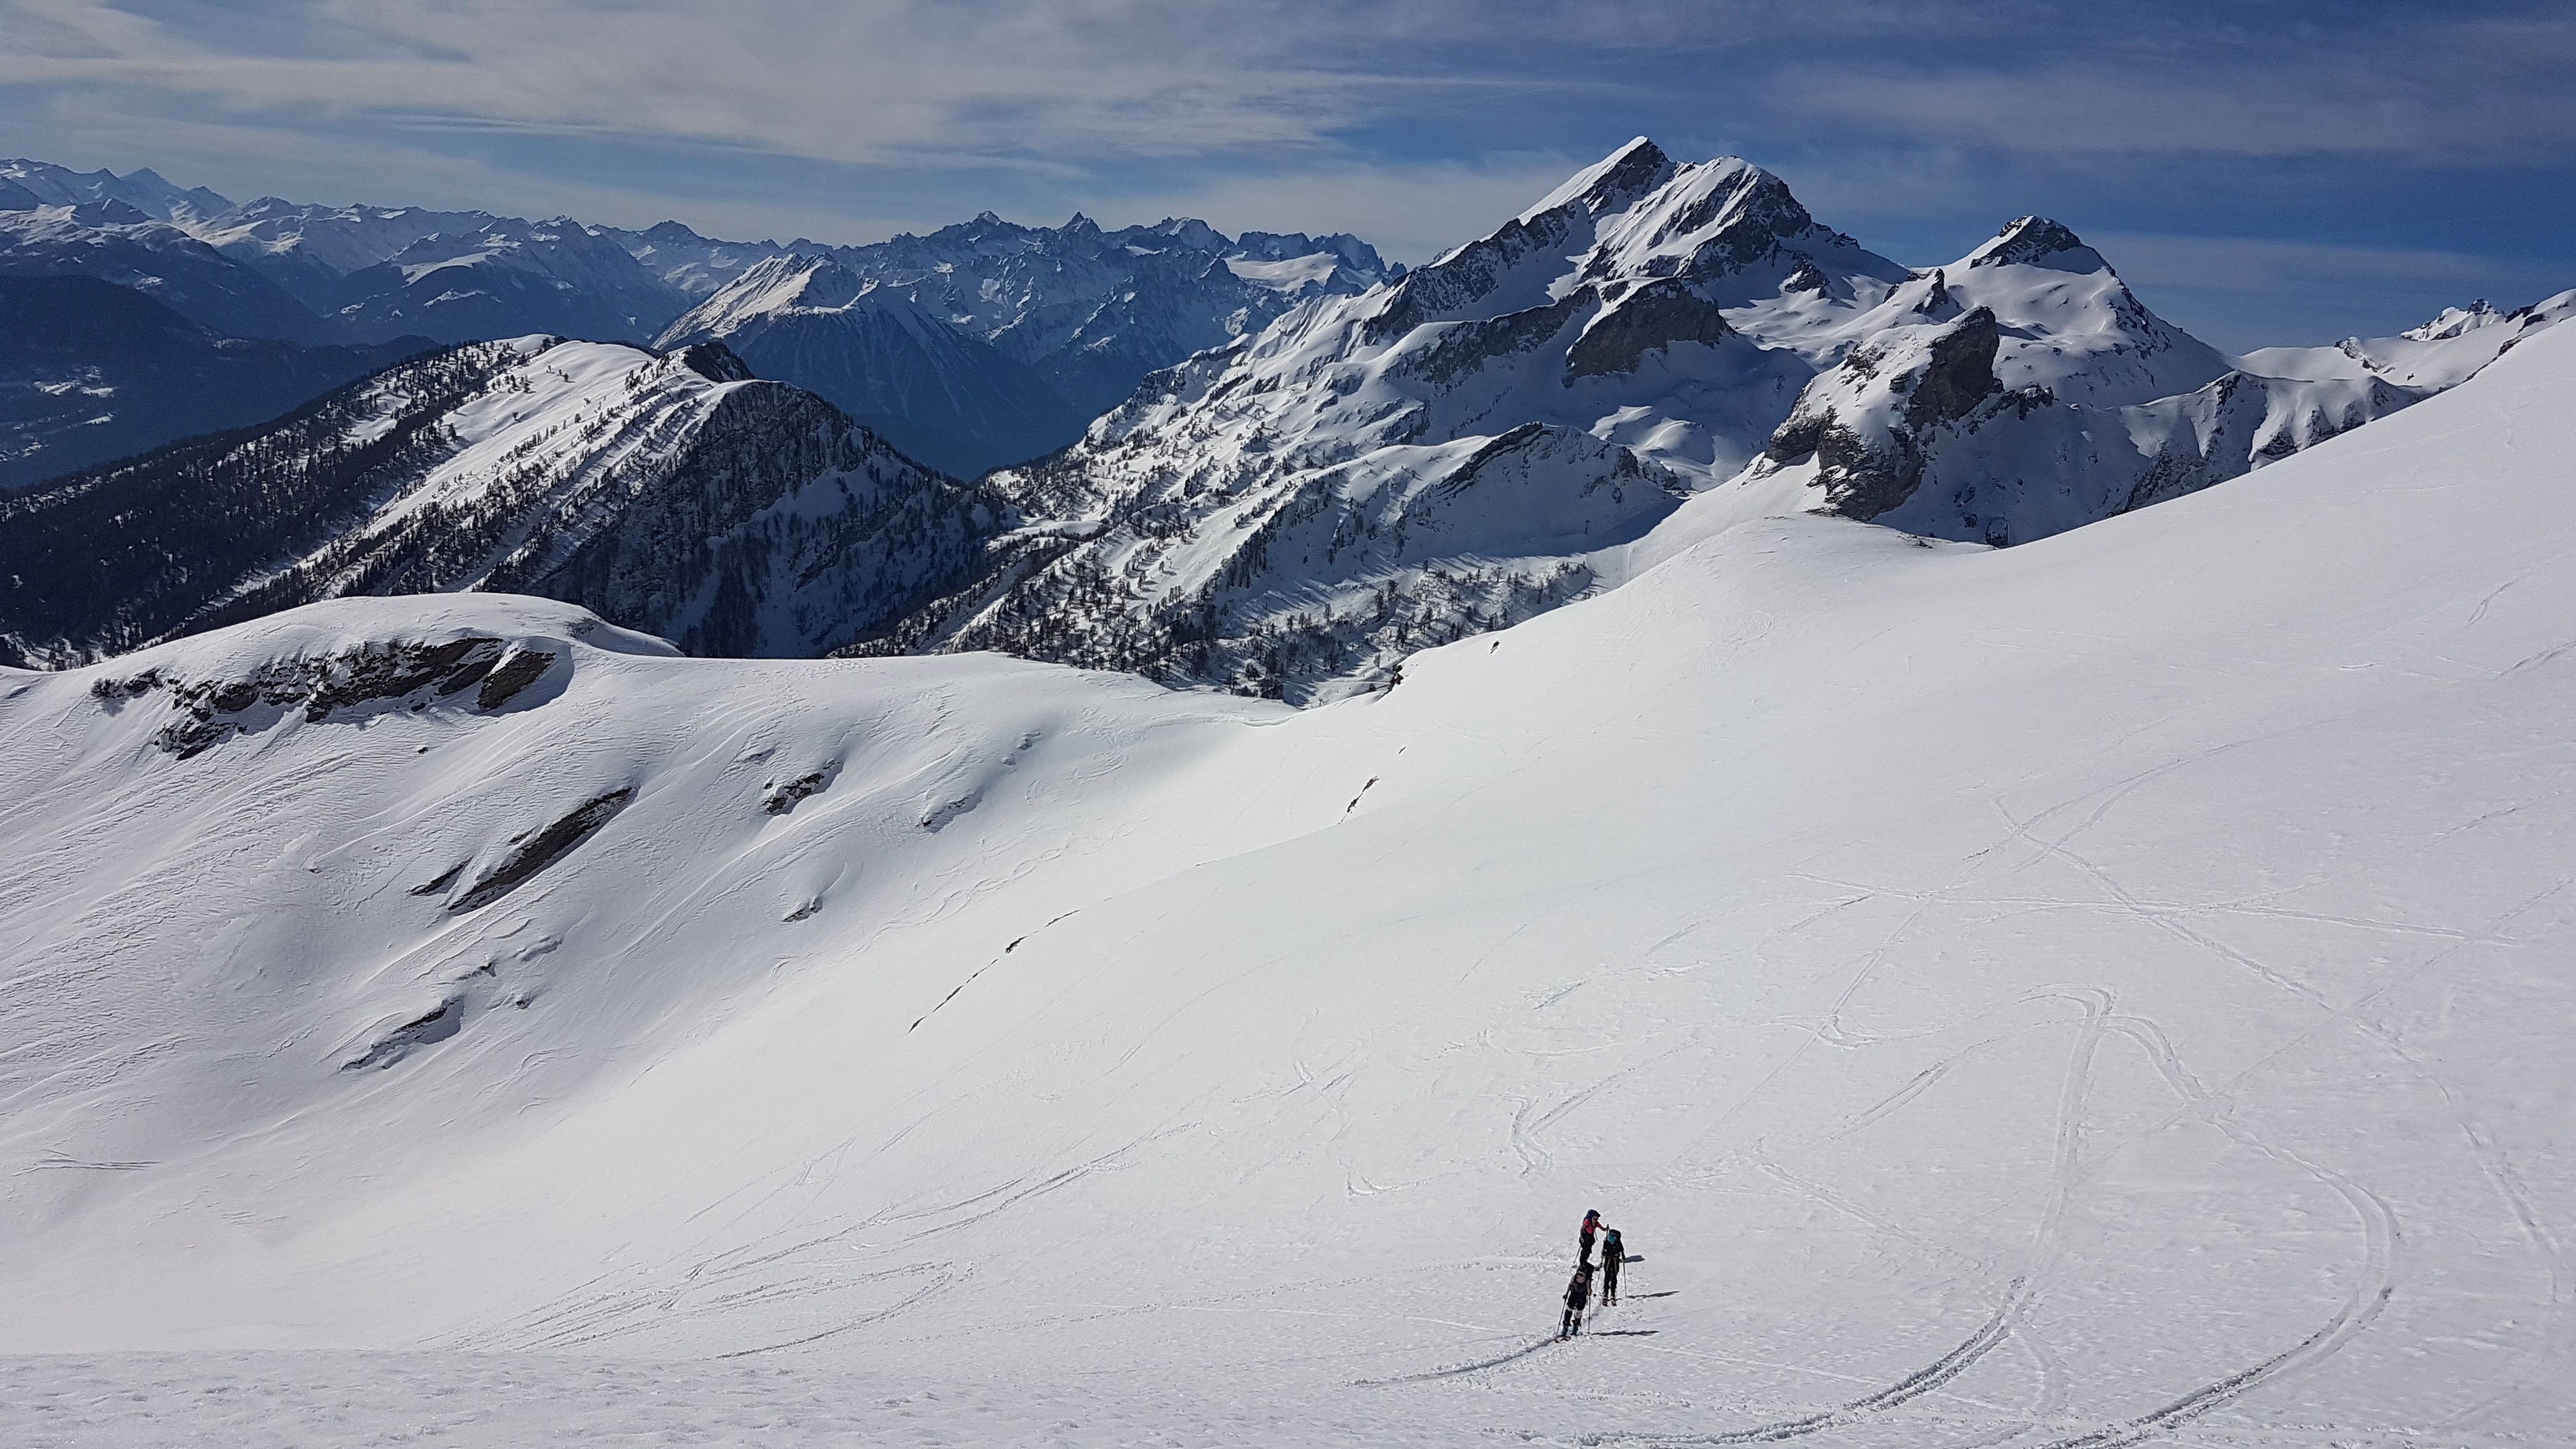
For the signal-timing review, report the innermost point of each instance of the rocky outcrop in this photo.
(412, 675)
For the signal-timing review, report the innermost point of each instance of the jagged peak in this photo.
(1613, 181)
(2036, 241)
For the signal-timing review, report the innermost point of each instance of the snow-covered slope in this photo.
(943, 397)
(692, 264)
(1280, 516)
(2101, 992)
(668, 492)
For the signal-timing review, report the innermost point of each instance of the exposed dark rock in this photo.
(394, 1045)
(1861, 480)
(445, 879)
(1465, 347)
(211, 711)
(533, 853)
(1961, 372)
(2027, 239)
(715, 362)
(523, 668)
(1654, 316)
(1867, 470)
(783, 798)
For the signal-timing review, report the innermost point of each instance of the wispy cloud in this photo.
(1415, 122)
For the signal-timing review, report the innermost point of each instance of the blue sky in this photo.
(2261, 172)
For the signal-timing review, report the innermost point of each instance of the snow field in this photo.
(2107, 991)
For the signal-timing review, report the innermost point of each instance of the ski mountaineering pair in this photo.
(1578, 1291)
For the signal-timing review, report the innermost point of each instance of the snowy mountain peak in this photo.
(2453, 321)
(144, 190)
(2035, 241)
(1616, 178)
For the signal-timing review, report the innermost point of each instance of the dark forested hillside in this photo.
(91, 371)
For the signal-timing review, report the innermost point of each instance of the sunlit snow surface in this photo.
(2113, 990)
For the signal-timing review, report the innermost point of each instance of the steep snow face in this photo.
(939, 395)
(2093, 993)
(668, 492)
(2066, 321)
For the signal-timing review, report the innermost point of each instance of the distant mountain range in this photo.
(1347, 463)
(91, 371)
(733, 516)
(1014, 336)
(1492, 434)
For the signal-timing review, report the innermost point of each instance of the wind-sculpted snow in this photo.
(669, 492)
(2105, 991)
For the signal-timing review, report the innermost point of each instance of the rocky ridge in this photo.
(670, 492)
